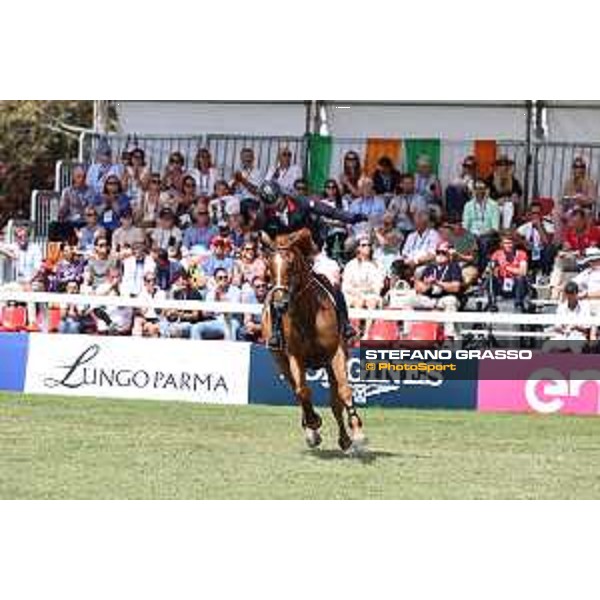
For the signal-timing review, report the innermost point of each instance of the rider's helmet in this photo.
(269, 192)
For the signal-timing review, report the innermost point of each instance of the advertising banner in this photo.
(214, 372)
(549, 383)
(416, 390)
(13, 361)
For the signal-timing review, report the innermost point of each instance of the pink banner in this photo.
(550, 383)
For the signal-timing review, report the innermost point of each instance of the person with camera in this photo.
(166, 234)
(580, 191)
(406, 204)
(537, 234)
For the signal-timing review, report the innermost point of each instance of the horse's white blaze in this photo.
(278, 264)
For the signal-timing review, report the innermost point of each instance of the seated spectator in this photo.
(216, 326)
(427, 185)
(102, 168)
(420, 245)
(167, 270)
(386, 177)
(440, 284)
(98, 265)
(301, 187)
(147, 320)
(248, 266)
(173, 176)
(72, 315)
(220, 256)
(135, 267)
(351, 175)
(406, 204)
(166, 234)
(147, 207)
(186, 202)
(26, 256)
(127, 234)
(333, 232)
(69, 268)
(247, 179)
(506, 190)
(90, 232)
(580, 191)
(588, 281)
(388, 241)
(202, 232)
(481, 217)
(367, 204)
(570, 338)
(537, 235)
(363, 279)
(509, 268)
(111, 202)
(175, 323)
(463, 249)
(284, 172)
(251, 330)
(136, 175)
(204, 172)
(112, 320)
(76, 198)
(460, 190)
(234, 223)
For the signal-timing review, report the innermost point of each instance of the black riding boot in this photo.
(342, 312)
(275, 342)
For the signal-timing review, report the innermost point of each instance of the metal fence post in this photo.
(528, 116)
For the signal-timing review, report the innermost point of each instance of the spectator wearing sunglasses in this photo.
(248, 266)
(98, 265)
(215, 327)
(580, 190)
(201, 233)
(334, 232)
(220, 256)
(173, 175)
(147, 320)
(127, 234)
(506, 190)
(406, 204)
(251, 330)
(166, 234)
(136, 175)
(204, 173)
(351, 175)
(111, 203)
(284, 172)
(148, 205)
(90, 232)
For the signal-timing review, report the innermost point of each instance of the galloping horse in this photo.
(311, 334)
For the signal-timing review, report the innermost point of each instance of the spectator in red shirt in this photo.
(509, 268)
(580, 234)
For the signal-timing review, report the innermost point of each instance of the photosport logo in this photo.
(85, 372)
(363, 391)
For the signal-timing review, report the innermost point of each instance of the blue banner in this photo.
(419, 390)
(13, 361)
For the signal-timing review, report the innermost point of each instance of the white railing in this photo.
(481, 318)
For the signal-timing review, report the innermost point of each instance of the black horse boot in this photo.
(275, 341)
(348, 332)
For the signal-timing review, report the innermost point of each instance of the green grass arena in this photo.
(58, 448)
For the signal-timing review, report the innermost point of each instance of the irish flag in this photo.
(326, 155)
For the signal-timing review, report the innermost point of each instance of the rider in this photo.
(281, 213)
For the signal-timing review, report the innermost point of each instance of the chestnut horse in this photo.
(311, 334)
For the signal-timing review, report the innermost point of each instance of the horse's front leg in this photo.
(311, 421)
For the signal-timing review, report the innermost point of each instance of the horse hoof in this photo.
(313, 437)
(358, 446)
(344, 443)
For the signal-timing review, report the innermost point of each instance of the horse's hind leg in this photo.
(344, 393)
(311, 421)
(337, 408)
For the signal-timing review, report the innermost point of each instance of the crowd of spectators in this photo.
(187, 234)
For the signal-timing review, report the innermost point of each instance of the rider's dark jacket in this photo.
(298, 213)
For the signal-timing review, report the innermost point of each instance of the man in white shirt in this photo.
(247, 179)
(26, 256)
(135, 267)
(420, 246)
(570, 337)
(284, 172)
(589, 280)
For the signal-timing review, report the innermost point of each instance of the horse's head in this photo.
(286, 265)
